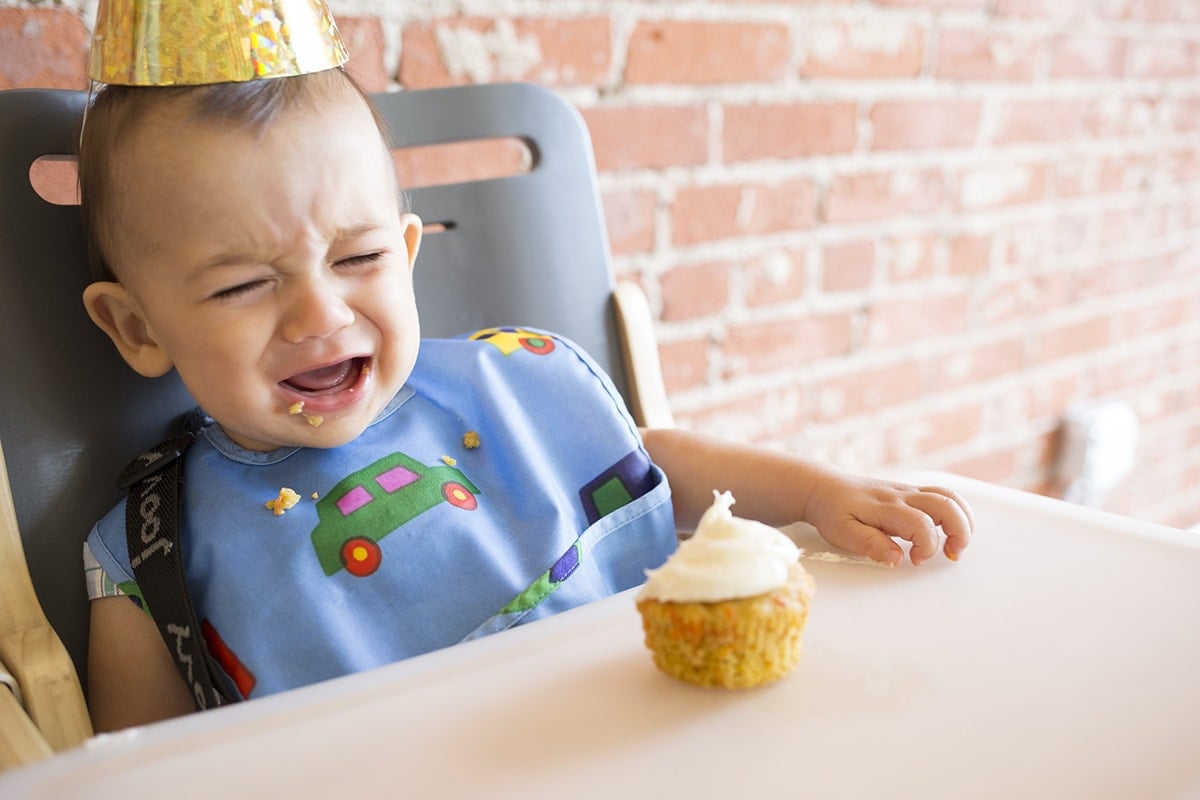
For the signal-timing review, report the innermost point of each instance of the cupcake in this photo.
(729, 606)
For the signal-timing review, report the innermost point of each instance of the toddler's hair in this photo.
(116, 111)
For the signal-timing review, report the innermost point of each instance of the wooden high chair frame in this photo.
(528, 249)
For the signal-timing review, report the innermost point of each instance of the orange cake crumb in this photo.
(286, 499)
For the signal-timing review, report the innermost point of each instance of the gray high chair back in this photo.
(528, 249)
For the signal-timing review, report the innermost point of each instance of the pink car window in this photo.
(396, 478)
(353, 500)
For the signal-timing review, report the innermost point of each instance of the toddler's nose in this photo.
(317, 309)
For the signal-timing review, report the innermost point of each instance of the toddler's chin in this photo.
(313, 432)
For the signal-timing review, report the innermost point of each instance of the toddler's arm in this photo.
(859, 514)
(131, 677)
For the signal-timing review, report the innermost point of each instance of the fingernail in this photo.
(951, 556)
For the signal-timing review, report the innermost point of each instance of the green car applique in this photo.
(367, 505)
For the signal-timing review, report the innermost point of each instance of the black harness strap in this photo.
(153, 510)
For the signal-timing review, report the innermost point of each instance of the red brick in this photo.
(1151, 318)
(647, 137)
(697, 52)
(44, 48)
(764, 417)
(867, 197)
(898, 320)
(685, 364)
(918, 437)
(364, 39)
(976, 363)
(1001, 185)
(868, 391)
(924, 124)
(976, 5)
(1146, 10)
(630, 219)
(1041, 121)
(1122, 376)
(1187, 114)
(694, 290)
(848, 266)
(912, 257)
(996, 466)
(1121, 226)
(1066, 235)
(1089, 177)
(1112, 175)
(970, 254)
(1048, 396)
(1024, 298)
(1130, 116)
(1051, 9)
(1115, 277)
(982, 56)
(701, 214)
(1074, 338)
(1165, 59)
(789, 131)
(878, 48)
(778, 276)
(550, 51)
(1088, 56)
(762, 346)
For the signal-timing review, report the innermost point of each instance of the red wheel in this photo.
(538, 345)
(361, 556)
(458, 495)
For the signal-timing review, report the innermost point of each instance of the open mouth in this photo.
(333, 383)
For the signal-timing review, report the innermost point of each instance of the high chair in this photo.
(525, 249)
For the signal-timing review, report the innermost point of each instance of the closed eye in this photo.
(362, 260)
(234, 292)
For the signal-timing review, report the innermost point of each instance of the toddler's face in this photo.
(274, 271)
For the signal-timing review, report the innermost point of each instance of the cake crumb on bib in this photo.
(286, 499)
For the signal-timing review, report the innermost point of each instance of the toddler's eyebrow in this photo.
(232, 258)
(355, 230)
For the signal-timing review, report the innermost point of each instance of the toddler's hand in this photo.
(864, 515)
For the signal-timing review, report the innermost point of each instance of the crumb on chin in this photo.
(296, 407)
(314, 419)
(286, 499)
(471, 440)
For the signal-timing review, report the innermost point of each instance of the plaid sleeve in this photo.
(98, 583)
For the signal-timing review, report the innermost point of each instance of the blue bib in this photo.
(505, 482)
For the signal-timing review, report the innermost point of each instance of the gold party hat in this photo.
(195, 42)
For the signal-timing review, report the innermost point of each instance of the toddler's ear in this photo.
(412, 235)
(118, 315)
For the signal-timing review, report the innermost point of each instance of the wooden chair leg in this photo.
(32, 652)
(20, 740)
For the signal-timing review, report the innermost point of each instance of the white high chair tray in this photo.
(1059, 658)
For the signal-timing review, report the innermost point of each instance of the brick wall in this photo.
(890, 234)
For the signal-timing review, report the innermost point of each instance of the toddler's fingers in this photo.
(948, 510)
(914, 525)
(958, 501)
(866, 540)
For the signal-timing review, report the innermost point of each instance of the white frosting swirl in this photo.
(725, 559)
